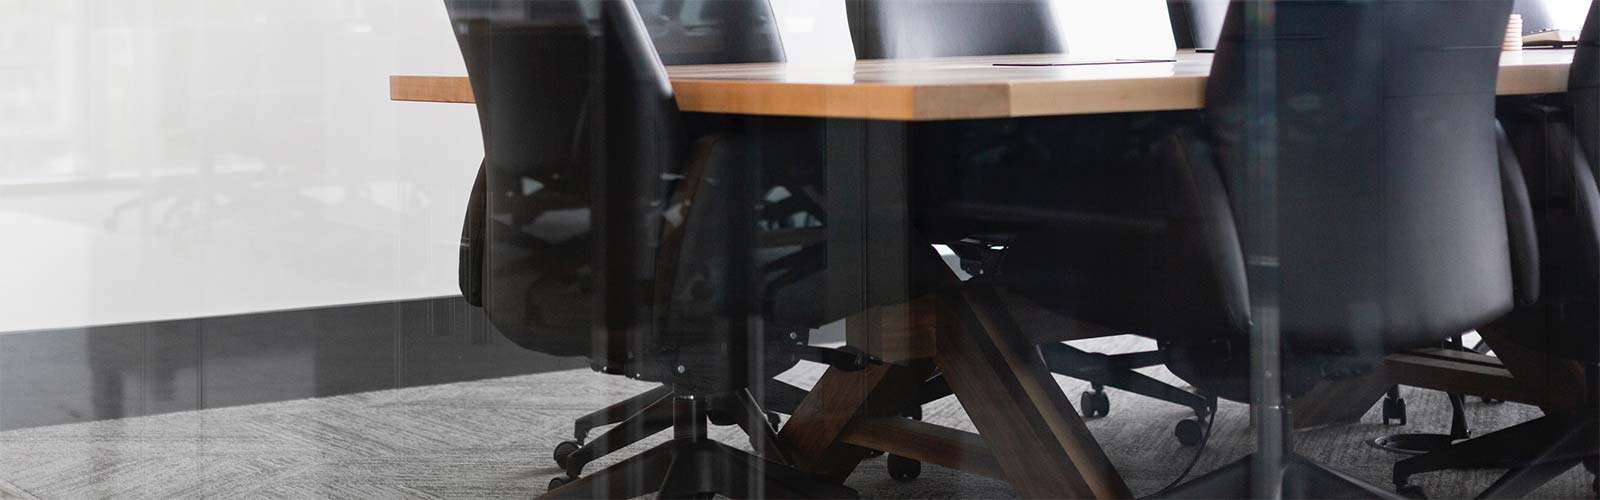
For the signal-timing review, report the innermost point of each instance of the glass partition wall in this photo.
(786, 248)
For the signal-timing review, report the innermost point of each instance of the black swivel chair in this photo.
(685, 32)
(604, 238)
(1391, 225)
(900, 29)
(1537, 15)
(1564, 324)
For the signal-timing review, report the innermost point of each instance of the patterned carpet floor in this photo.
(492, 439)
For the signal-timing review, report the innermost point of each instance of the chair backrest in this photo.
(1583, 86)
(580, 128)
(902, 29)
(712, 31)
(1389, 218)
(1196, 24)
(1573, 283)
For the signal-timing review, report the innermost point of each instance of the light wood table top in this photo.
(963, 87)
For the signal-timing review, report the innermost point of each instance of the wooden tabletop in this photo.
(963, 87)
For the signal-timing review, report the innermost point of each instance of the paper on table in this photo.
(1091, 63)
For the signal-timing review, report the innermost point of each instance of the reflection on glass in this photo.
(1328, 249)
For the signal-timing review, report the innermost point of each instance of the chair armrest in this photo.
(1586, 201)
(1520, 227)
(1217, 232)
(469, 270)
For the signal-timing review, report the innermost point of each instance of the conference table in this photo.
(1029, 433)
(964, 87)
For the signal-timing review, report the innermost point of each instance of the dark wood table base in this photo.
(1029, 433)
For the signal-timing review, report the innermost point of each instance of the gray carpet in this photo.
(492, 439)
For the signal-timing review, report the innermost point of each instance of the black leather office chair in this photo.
(610, 234)
(1390, 220)
(687, 32)
(898, 29)
(1536, 15)
(1564, 324)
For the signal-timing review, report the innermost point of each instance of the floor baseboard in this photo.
(59, 376)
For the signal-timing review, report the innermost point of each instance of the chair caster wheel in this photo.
(564, 450)
(1411, 491)
(720, 418)
(1189, 431)
(903, 469)
(1094, 403)
(556, 483)
(1394, 409)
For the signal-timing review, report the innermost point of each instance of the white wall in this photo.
(166, 159)
(1567, 14)
(180, 158)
